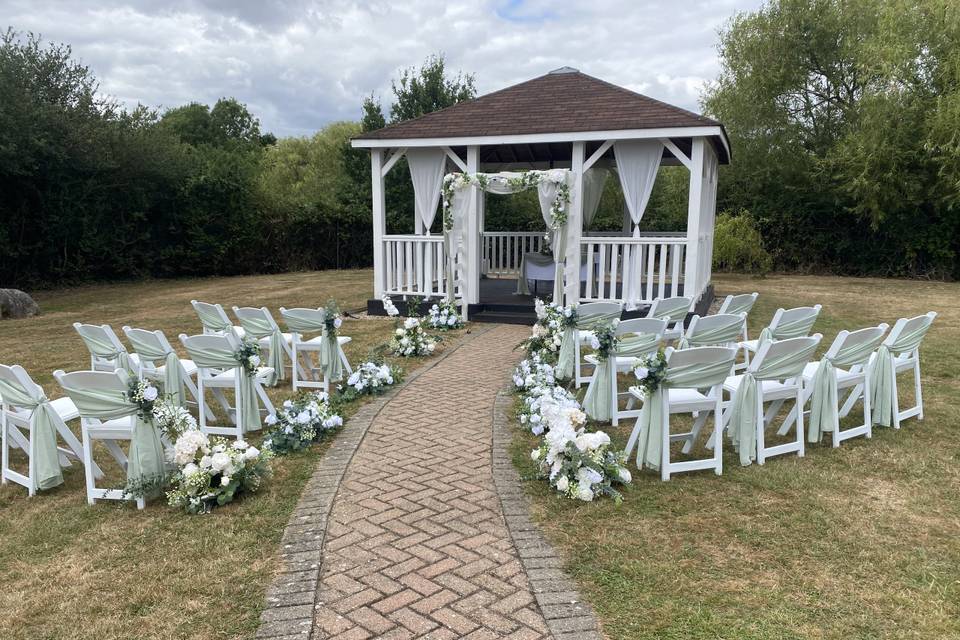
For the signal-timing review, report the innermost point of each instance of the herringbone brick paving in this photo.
(416, 543)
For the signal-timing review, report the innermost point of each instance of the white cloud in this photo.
(300, 64)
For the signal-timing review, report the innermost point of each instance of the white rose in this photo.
(535, 454)
(206, 462)
(594, 342)
(624, 475)
(251, 453)
(220, 461)
(354, 378)
(641, 372)
(585, 494)
(587, 477)
(150, 394)
(240, 445)
(563, 484)
(410, 323)
(190, 469)
(271, 419)
(255, 361)
(224, 480)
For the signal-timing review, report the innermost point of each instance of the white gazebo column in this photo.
(571, 291)
(379, 211)
(473, 230)
(691, 272)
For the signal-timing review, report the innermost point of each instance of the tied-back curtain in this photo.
(426, 172)
(594, 181)
(824, 414)
(637, 164)
(258, 328)
(172, 371)
(43, 439)
(247, 403)
(719, 335)
(884, 375)
(100, 346)
(647, 436)
(145, 461)
(600, 400)
(745, 411)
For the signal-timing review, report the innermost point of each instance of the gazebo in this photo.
(562, 133)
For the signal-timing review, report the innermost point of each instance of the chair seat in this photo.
(673, 334)
(844, 377)
(63, 406)
(681, 400)
(189, 367)
(118, 428)
(265, 342)
(317, 341)
(750, 345)
(225, 378)
(622, 361)
(772, 389)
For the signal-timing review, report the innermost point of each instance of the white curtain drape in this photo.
(426, 172)
(594, 181)
(637, 165)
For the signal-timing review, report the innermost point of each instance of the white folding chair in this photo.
(214, 319)
(777, 370)
(742, 303)
(649, 332)
(152, 349)
(20, 397)
(849, 356)
(212, 354)
(903, 344)
(109, 431)
(589, 314)
(721, 330)
(693, 386)
(786, 323)
(106, 351)
(674, 311)
(306, 353)
(258, 322)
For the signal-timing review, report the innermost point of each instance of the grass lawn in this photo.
(73, 571)
(857, 542)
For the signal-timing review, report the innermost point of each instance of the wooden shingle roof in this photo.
(562, 101)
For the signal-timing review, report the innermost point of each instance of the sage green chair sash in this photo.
(648, 434)
(743, 306)
(259, 327)
(212, 321)
(107, 350)
(247, 400)
(598, 401)
(824, 413)
(719, 335)
(883, 377)
(672, 310)
(44, 436)
(795, 329)
(567, 354)
(145, 459)
(744, 411)
(172, 371)
(329, 345)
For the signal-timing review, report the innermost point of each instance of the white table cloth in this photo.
(538, 266)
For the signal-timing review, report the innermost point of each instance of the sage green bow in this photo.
(145, 460)
(212, 321)
(567, 354)
(259, 327)
(172, 371)
(744, 411)
(672, 310)
(598, 402)
(798, 328)
(719, 335)
(883, 379)
(647, 435)
(43, 440)
(105, 349)
(249, 407)
(329, 345)
(824, 415)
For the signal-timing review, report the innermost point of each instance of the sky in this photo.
(302, 64)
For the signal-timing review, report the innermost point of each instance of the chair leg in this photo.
(717, 426)
(5, 452)
(916, 384)
(800, 404)
(665, 443)
(867, 407)
(202, 407)
(698, 423)
(88, 464)
(761, 446)
(343, 359)
(267, 404)
(896, 402)
(576, 360)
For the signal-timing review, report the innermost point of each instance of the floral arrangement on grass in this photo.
(547, 335)
(172, 420)
(444, 316)
(212, 471)
(533, 372)
(389, 308)
(250, 356)
(300, 422)
(548, 408)
(409, 339)
(651, 371)
(604, 340)
(369, 378)
(144, 395)
(581, 465)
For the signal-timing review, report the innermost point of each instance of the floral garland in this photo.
(444, 316)
(143, 394)
(300, 422)
(581, 465)
(532, 373)
(550, 407)
(389, 308)
(370, 378)
(212, 471)
(249, 355)
(452, 182)
(651, 372)
(547, 333)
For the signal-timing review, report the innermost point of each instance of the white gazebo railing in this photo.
(654, 265)
(503, 250)
(413, 265)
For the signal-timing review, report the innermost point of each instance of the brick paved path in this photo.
(416, 544)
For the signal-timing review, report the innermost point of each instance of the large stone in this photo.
(16, 304)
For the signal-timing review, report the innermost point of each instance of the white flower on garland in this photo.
(389, 307)
(370, 378)
(581, 465)
(172, 419)
(533, 372)
(549, 407)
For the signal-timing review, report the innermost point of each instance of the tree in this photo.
(429, 89)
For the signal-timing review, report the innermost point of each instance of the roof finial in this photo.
(565, 70)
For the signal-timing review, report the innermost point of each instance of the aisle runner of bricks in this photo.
(416, 545)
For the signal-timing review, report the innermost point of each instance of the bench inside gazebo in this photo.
(565, 134)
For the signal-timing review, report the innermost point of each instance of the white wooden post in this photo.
(571, 292)
(473, 230)
(379, 219)
(691, 285)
